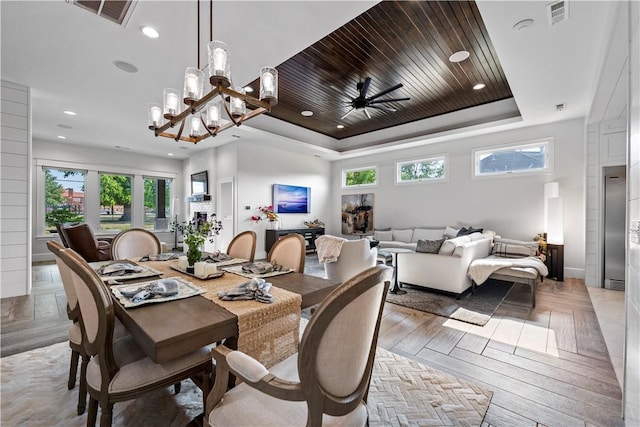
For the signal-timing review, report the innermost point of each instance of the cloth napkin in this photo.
(256, 289)
(161, 288)
(119, 269)
(165, 256)
(217, 257)
(258, 267)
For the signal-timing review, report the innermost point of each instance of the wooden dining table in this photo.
(266, 331)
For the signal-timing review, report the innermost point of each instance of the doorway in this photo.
(613, 251)
(226, 209)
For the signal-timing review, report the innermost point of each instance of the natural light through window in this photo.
(64, 197)
(429, 169)
(534, 157)
(361, 177)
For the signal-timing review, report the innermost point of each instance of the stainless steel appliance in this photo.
(614, 226)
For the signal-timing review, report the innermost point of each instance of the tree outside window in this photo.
(157, 197)
(115, 202)
(422, 170)
(64, 197)
(360, 177)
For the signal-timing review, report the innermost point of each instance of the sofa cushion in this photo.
(450, 245)
(429, 246)
(402, 235)
(382, 235)
(476, 236)
(450, 232)
(468, 230)
(426, 234)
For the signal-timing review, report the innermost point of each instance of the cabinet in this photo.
(310, 235)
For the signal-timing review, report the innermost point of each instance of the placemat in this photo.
(145, 271)
(238, 270)
(185, 290)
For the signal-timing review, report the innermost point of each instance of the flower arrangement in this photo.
(195, 232)
(265, 213)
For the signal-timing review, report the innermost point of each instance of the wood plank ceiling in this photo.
(406, 42)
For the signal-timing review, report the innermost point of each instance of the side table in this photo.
(394, 253)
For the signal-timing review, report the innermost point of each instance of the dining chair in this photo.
(289, 251)
(119, 370)
(135, 243)
(355, 256)
(326, 382)
(82, 240)
(243, 246)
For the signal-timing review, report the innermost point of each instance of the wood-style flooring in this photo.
(546, 367)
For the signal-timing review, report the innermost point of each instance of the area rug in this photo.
(403, 392)
(471, 308)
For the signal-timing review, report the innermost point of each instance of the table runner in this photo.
(267, 332)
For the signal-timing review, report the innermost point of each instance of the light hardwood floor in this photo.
(546, 367)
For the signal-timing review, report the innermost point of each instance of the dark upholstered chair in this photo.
(82, 240)
(119, 369)
(326, 382)
(243, 246)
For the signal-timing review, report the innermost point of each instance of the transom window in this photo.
(534, 157)
(429, 169)
(361, 177)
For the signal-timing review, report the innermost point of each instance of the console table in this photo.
(310, 235)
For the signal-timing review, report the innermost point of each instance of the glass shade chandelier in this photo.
(204, 111)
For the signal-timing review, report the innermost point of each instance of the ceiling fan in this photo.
(362, 101)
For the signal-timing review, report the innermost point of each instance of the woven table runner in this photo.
(267, 332)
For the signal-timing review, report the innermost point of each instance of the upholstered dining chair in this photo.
(119, 370)
(289, 251)
(326, 382)
(82, 240)
(355, 256)
(243, 246)
(135, 243)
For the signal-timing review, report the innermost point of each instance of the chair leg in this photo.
(73, 369)
(82, 392)
(93, 412)
(177, 387)
(533, 293)
(106, 415)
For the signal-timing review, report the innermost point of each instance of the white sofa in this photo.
(406, 238)
(446, 270)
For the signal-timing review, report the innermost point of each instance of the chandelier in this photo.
(204, 111)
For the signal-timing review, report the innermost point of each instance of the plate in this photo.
(210, 276)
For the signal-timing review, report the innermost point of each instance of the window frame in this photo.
(344, 173)
(444, 178)
(549, 158)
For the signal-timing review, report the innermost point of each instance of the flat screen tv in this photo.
(291, 199)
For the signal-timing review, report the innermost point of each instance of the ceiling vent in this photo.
(114, 10)
(557, 12)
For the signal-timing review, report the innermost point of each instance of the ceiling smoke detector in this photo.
(557, 12)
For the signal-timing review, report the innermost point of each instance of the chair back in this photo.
(82, 240)
(355, 256)
(73, 310)
(135, 243)
(289, 251)
(243, 246)
(62, 233)
(338, 346)
(96, 311)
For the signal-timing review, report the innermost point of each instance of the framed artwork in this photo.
(357, 214)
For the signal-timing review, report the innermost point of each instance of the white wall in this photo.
(512, 206)
(15, 190)
(104, 160)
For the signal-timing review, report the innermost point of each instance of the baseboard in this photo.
(574, 273)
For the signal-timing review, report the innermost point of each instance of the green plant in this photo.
(60, 216)
(195, 232)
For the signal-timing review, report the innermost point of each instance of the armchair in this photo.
(81, 239)
(355, 256)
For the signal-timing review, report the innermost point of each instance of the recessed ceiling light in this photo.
(64, 126)
(183, 148)
(169, 154)
(307, 113)
(125, 66)
(62, 137)
(150, 32)
(523, 25)
(340, 126)
(479, 86)
(70, 113)
(248, 89)
(459, 56)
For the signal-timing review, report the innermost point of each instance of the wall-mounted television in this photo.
(291, 199)
(200, 183)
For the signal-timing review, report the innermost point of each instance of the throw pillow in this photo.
(468, 230)
(382, 235)
(510, 250)
(429, 246)
(450, 232)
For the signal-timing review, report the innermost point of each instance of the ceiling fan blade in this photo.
(385, 109)
(379, 101)
(384, 92)
(367, 113)
(365, 87)
(345, 116)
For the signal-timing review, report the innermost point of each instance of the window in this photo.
(361, 177)
(115, 202)
(430, 169)
(157, 196)
(524, 158)
(64, 197)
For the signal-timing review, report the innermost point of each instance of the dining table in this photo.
(269, 332)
